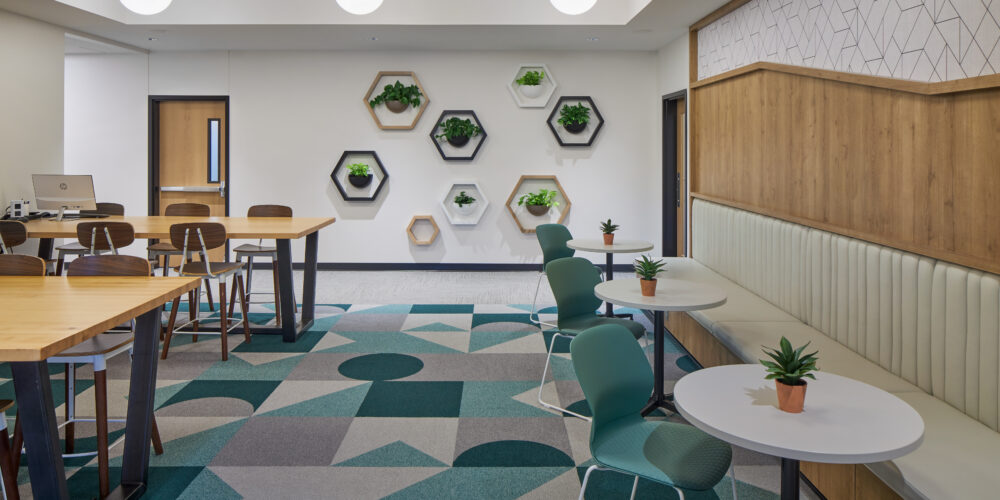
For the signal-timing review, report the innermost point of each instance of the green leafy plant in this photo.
(570, 115)
(457, 127)
(463, 199)
(544, 197)
(406, 94)
(789, 366)
(531, 78)
(358, 169)
(608, 227)
(647, 268)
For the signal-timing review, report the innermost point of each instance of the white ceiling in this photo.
(397, 25)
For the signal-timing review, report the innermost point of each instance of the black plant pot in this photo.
(458, 140)
(360, 181)
(575, 128)
(537, 209)
(396, 106)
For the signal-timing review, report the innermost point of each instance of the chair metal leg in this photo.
(208, 293)
(680, 494)
(532, 315)
(586, 477)
(732, 478)
(101, 400)
(223, 326)
(635, 486)
(170, 326)
(545, 371)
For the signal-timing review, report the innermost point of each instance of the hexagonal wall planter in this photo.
(386, 119)
(469, 214)
(347, 188)
(528, 97)
(422, 220)
(583, 137)
(457, 150)
(526, 221)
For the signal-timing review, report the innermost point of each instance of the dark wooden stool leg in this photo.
(232, 301)
(192, 312)
(101, 397)
(208, 294)
(7, 464)
(71, 426)
(170, 326)
(244, 307)
(223, 324)
(157, 443)
(17, 443)
(60, 261)
(277, 293)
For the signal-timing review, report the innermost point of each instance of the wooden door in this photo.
(682, 198)
(191, 156)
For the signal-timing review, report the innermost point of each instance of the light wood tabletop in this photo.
(42, 316)
(158, 227)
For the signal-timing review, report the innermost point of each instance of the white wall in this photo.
(293, 113)
(672, 66)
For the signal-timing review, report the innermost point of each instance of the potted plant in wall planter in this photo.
(539, 203)
(530, 84)
(574, 118)
(608, 229)
(397, 97)
(788, 369)
(464, 204)
(359, 175)
(647, 270)
(457, 131)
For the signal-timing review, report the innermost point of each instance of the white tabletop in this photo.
(620, 246)
(844, 421)
(671, 295)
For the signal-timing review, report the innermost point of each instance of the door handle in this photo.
(221, 189)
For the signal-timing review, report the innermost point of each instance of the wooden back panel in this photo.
(213, 233)
(188, 210)
(121, 233)
(269, 211)
(21, 265)
(109, 265)
(13, 233)
(107, 209)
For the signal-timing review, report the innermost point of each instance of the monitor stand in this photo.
(62, 210)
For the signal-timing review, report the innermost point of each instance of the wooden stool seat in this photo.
(101, 344)
(74, 246)
(163, 246)
(251, 248)
(214, 268)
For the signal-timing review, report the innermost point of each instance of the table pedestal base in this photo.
(659, 399)
(789, 479)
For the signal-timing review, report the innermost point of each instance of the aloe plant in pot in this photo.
(530, 83)
(647, 270)
(464, 204)
(539, 203)
(789, 369)
(397, 97)
(457, 131)
(359, 175)
(608, 229)
(574, 118)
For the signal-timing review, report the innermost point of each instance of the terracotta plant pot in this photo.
(791, 398)
(537, 209)
(609, 239)
(396, 106)
(575, 128)
(360, 181)
(530, 91)
(648, 287)
(458, 140)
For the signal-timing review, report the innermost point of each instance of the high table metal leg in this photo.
(789, 479)
(45, 248)
(609, 274)
(658, 400)
(288, 322)
(41, 437)
(309, 279)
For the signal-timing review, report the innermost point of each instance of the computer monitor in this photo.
(62, 192)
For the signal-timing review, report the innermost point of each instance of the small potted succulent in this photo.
(539, 203)
(788, 369)
(457, 131)
(574, 118)
(397, 97)
(647, 270)
(464, 203)
(609, 232)
(530, 83)
(359, 175)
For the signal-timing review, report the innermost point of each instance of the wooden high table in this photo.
(42, 316)
(281, 229)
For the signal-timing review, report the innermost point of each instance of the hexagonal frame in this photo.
(448, 205)
(516, 210)
(532, 102)
(444, 147)
(561, 134)
(413, 237)
(340, 165)
(420, 110)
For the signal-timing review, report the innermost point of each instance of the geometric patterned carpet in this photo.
(375, 401)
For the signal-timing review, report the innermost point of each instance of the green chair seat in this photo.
(580, 323)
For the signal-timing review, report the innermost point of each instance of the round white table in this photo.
(671, 295)
(844, 421)
(620, 246)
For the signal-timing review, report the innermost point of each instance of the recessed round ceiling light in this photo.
(146, 7)
(592, 39)
(573, 7)
(359, 7)
(374, 38)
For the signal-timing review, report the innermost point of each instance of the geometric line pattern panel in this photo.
(921, 40)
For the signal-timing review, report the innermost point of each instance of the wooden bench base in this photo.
(834, 481)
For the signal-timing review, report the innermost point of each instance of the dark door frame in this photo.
(673, 192)
(154, 146)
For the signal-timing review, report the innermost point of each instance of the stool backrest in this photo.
(573, 280)
(106, 209)
(21, 265)
(109, 265)
(613, 372)
(269, 211)
(105, 235)
(12, 234)
(198, 236)
(188, 210)
(552, 238)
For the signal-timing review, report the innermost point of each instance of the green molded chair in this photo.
(552, 238)
(573, 280)
(617, 381)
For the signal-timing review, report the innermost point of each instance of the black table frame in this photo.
(609, 274)
(658, 399)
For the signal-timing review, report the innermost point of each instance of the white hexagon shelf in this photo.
(402, 119)
(467, 215)
(527, 221)
(532, 96)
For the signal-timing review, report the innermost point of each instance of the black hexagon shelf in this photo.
(583, 137)
(452, 151)
(352, 192)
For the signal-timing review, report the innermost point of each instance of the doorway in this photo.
(675, 196)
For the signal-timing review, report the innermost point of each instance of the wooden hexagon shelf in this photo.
(526, 221)
(583, 137)
(533, 97)
(426, 219)
(386, 119)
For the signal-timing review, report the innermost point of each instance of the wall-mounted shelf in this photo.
(387, 119)
(532, 97)
(470, 214)
(573, 138)
(526, 221)
(348, 189)
(426, 226)
(456, 149)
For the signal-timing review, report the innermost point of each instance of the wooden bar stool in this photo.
(201, 237)
(250, 251)
(166, 249)
(12, 234)
(74, 247)
(7, 469)
(104, 236)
